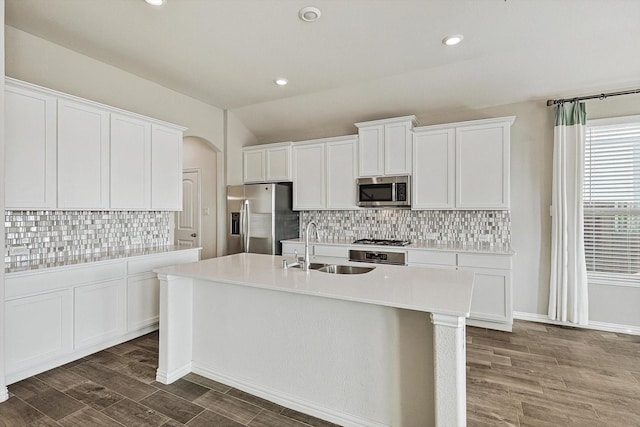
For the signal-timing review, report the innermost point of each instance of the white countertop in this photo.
(35, 265)
(442, 291)
(429, 245)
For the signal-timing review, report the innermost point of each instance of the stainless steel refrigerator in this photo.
(259, 216)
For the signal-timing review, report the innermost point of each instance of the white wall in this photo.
(4, 394)
(238, 136)
(41, 62)
(196, 153)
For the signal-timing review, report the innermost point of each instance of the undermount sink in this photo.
(339, 269)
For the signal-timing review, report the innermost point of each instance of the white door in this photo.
(187, 232)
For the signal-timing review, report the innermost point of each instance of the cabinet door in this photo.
(341, 175)
(130, 163)
(433, 185)
(309, 177)
(143, 301)
(397, 149)
(38, 328)
(30, 149)
(83, 156)
(491, 299)
(278, 164)
(99, 312)
(371, 151)
(482, 167)
(166, 168)
(253, 165)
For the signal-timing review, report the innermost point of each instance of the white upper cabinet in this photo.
(130, 162)
(483, 165)
(324, 173)
(462, 165)
(166, 168)
(309, 187)
(253, 165)
(267, 163)
(433, 184)
(385, 147)
(341, 173)
(83, 156)
(63, 152)
(30, 148)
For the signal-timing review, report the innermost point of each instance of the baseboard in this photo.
(599, 326)
(176, 374)
(4, 394)
(287, 400)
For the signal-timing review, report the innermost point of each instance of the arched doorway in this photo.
(200, 197)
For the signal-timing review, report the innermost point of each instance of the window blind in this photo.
(612, 201)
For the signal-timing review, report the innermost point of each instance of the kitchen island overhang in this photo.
(352, 349)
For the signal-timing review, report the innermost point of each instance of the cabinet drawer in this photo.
(502, 262)
(289, 248)
(428, 257)
(47, 280)
(148, 263)
(331, 251)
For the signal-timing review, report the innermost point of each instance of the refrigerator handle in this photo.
(242, 232)
(248, 226)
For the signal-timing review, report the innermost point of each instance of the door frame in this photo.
(198, 243)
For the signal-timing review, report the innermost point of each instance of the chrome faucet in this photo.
(307, 261)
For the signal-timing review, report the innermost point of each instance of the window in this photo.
(612, 200)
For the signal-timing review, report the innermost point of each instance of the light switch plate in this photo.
(137, 240)
(431, 236)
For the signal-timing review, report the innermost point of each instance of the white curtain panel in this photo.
(568, 293)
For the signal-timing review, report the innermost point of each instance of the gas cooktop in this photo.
(382, 242)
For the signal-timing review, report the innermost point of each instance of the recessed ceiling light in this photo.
(452, 40)
(281, 81)
(155, 2)
(309, 14)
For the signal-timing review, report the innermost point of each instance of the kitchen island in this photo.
(383, 348)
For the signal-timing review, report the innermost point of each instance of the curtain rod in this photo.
(601, 96)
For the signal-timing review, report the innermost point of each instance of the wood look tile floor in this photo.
(543, 375)
(539, 375)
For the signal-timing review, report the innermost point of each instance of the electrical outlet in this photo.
(485, 238)
(137, 240)
(431, 236)
(18, 250)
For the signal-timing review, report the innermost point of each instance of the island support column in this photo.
(449, 359)
(176, 328)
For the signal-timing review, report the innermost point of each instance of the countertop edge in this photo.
(108, 258)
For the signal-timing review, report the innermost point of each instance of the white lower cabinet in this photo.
(291, 248)
(57, 316)
(38, 328)
(99, 312)
(143, 301)
(491, 303)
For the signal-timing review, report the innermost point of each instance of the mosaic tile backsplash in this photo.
(51, 235)
(445, 227)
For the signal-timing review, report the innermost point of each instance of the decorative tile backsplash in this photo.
(50, 235)
(446, 227)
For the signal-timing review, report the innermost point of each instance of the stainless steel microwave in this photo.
(385, 191)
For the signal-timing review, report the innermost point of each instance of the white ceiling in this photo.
(363, 60)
